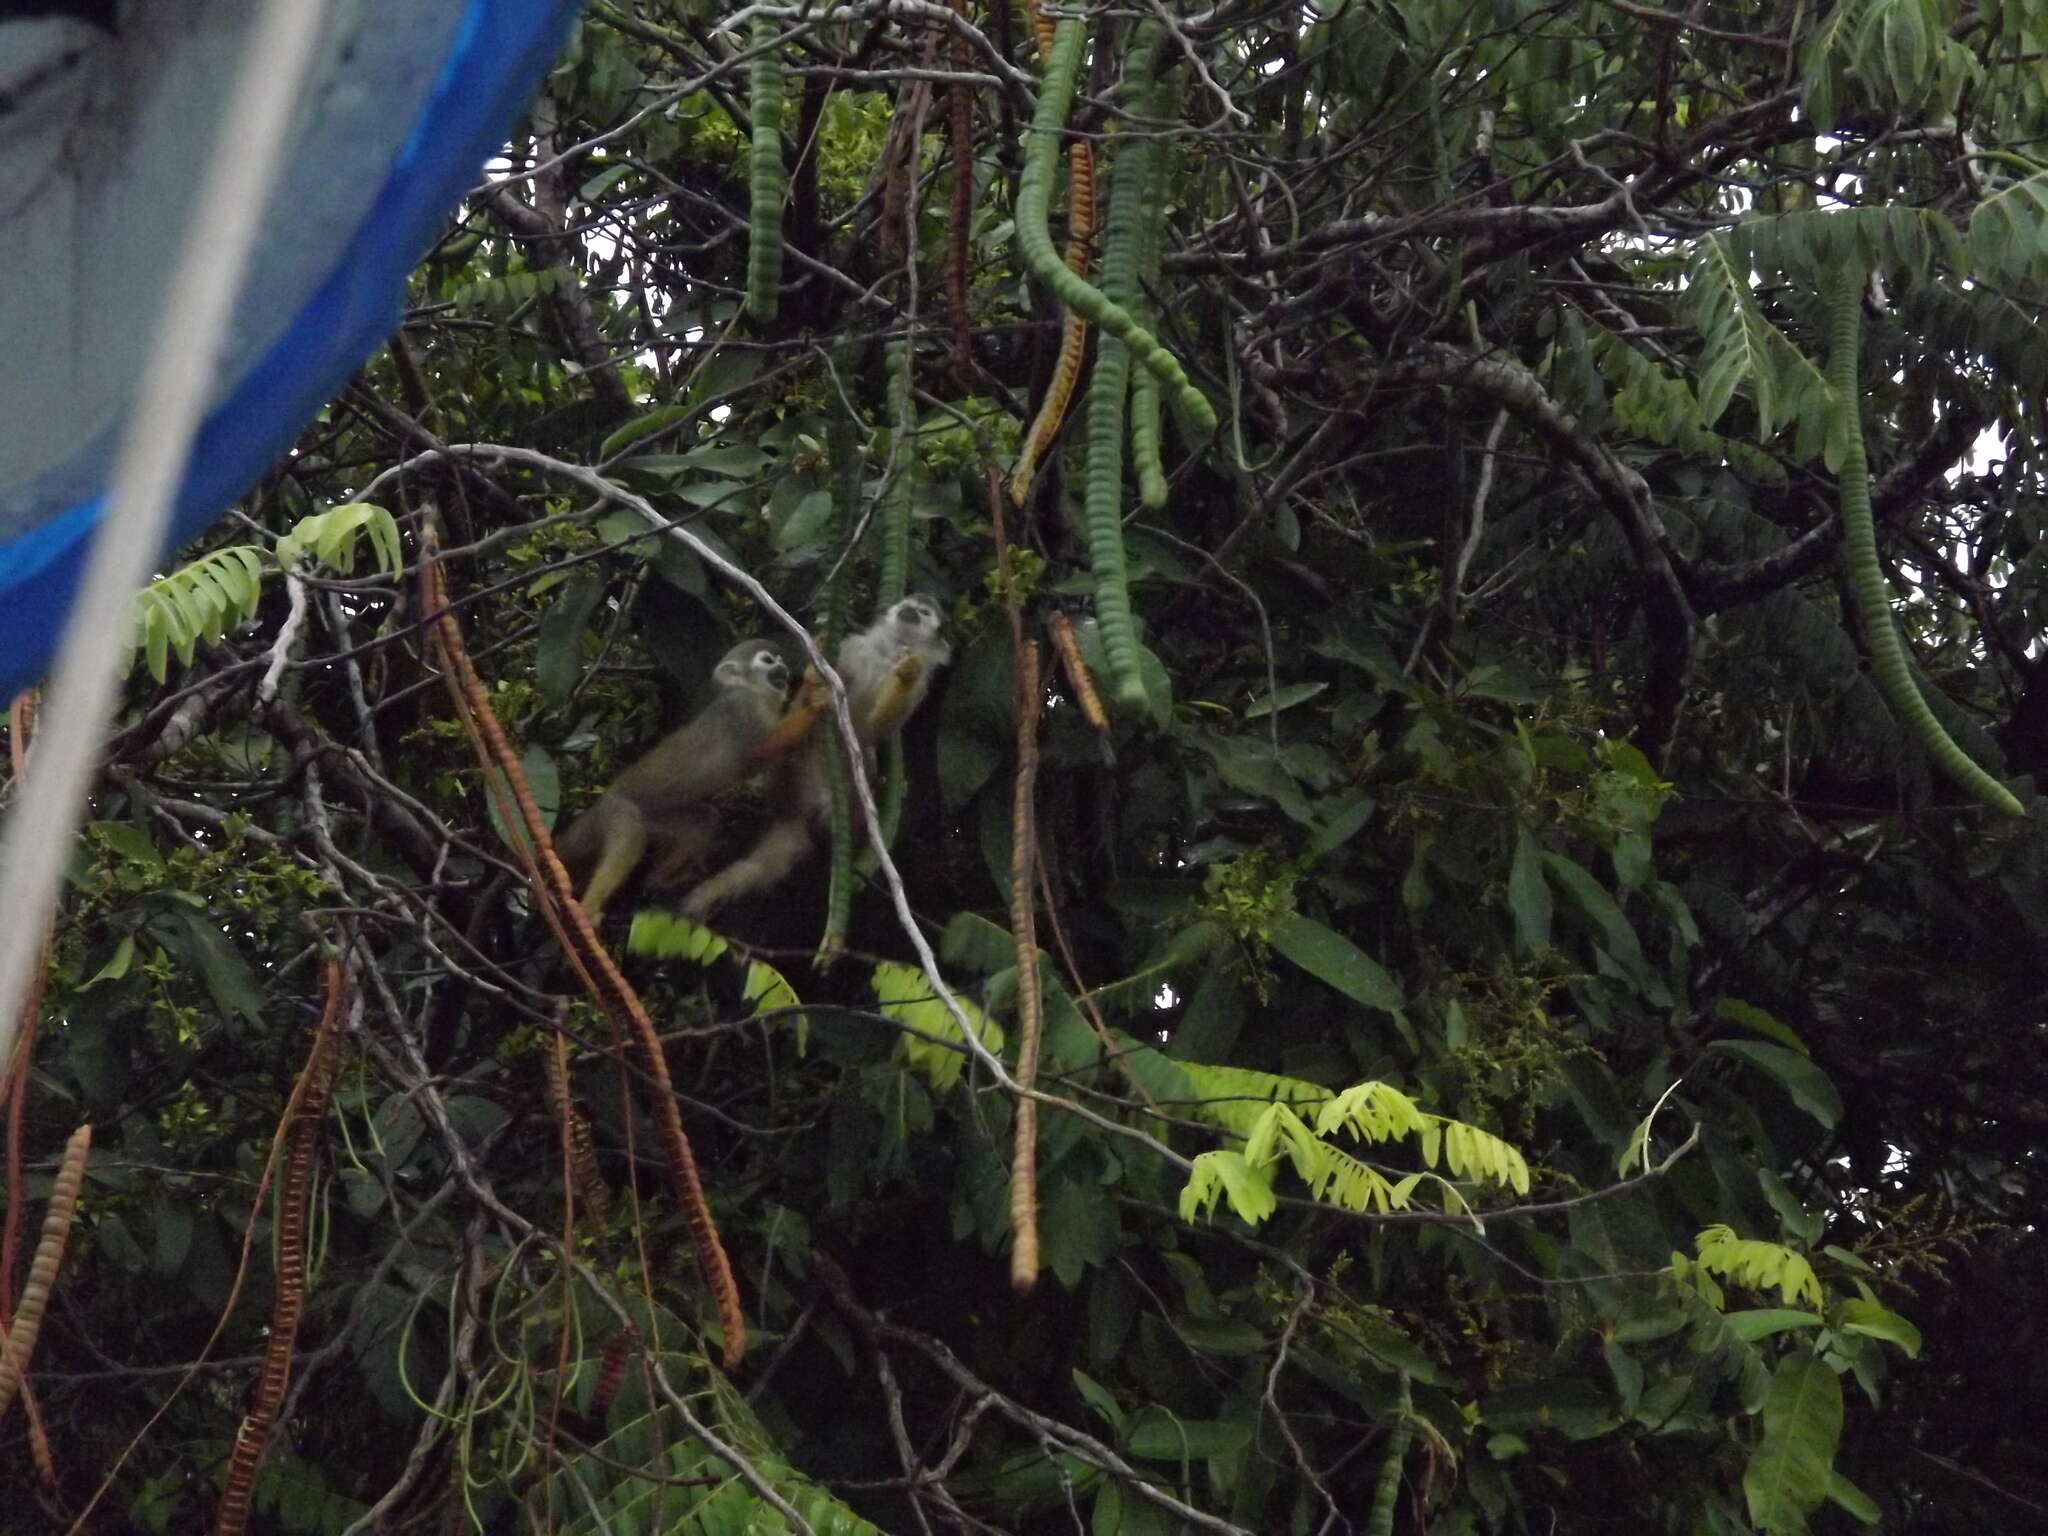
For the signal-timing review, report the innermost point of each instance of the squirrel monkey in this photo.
(888, 669)
(659, 805)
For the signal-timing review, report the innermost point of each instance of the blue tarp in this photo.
(496, 54)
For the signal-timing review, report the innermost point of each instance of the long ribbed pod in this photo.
(1034, 235)
(844, 448)
(1387, 1494)
(42, 1269)
(1109, 386)
(1066, 373)
(1888, 664)
(1153, 152)
(307, 1112)
(765, 178)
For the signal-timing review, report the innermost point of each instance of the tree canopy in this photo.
(1462, 941)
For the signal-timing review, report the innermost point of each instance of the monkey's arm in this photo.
(794, 728)
(901, 692)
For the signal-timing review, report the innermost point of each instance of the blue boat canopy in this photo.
(108, 112)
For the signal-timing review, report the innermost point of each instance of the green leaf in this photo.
(1792, 1468)
(1290, 694)
(556, 662)
(1078, 1227)
(1342, 817)
(1808, 1085)
(806, 523)
(131, 842)
(198, 942)
(1575, 1408)
(1099, 1398)
(1617, 938)
(1853, 1499)
(1762, 1322)
(1159, 1435)
(544, 779)
(1857, 1315)
(1529, 895)
(644, 426)
(1759, 1022)
(117, 963)
(1333, 959)
(173, 1221)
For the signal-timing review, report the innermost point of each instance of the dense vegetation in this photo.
(1537, 1034)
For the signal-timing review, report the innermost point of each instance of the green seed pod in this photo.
(1109, 385)
(1034, 235)
(1888, 664)
(1387, 1490)
(1155, 153)
(764, 165)
(892, 575)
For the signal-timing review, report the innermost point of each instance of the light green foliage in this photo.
(1790, 1471)
(1271, 1115)
(1754, 1265)
(1514, 878)
(931, 1041)
(505, 294)
(332, 538)
(198, 603)
(1249, 897)
(1895, 55)
(668, 935)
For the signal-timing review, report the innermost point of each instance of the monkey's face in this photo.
(755, 666)
(770, 673)
(915, 622)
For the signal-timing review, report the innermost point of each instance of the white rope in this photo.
(164, 418)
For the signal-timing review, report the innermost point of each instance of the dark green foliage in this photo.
(1530, 1042)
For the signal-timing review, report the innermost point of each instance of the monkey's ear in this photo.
(729, 674)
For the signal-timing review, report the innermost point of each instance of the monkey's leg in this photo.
(623, 831)
(782, 847)
(682, 843)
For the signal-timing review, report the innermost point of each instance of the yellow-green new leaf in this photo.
(1227, 1175)
(1372, 1111)
(933, 1043)
(1759, 1266)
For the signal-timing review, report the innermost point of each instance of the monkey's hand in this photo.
(897, 697)
(794, 728)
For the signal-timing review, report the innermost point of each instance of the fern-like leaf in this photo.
(331, 537)
(1758, 1266)
(932, 1042)
(197, 602)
